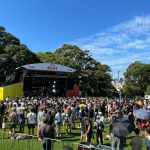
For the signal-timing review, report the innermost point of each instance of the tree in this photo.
(12, 55)
(137, 78)
(7, 69)
(147, 92)
(21, 54)
(93, 77)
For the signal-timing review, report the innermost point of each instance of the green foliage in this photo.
(7, 68)
(12, 55)
(93, 77)
(147, 92)
(21, 54)
(137, 79)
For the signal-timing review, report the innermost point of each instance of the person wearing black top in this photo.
(89, 131)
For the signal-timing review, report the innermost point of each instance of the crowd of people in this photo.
(50, 114)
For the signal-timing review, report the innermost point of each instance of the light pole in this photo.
(119, 96)
(119, 88)
(119, 91)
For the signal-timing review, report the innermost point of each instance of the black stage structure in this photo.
(45, 79)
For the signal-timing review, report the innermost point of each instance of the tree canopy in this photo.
(12, 55)
(137, 79)
(93, 77)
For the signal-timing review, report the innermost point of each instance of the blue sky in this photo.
(117, 32)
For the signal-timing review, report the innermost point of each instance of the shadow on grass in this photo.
(107, 144)
(130, 137)
(70, 140)
(77, 129)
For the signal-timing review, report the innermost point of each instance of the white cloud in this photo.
(121, 44)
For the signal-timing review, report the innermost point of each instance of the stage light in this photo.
(54, 90)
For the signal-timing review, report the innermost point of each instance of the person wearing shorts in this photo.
(13, 122)
(31, 120)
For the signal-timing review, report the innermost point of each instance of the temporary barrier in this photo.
(11, 91)
(90, 147)
(29, 142)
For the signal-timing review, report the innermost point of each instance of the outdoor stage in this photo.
(45, 79)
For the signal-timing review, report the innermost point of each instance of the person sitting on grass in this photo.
(136, 141)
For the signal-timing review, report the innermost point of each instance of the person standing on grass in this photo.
(31, 120)
(39, 118)
(81, 115)
(136, 141)
(2, 110)
(21, 119)
(13, 122)
(89, 132)
(99, 124)
(58, 122)
(4, 119)
(84, 126)
(147, 138)
(46, 133)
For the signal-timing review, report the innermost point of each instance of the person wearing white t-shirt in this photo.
(40, 116)
(31, 120)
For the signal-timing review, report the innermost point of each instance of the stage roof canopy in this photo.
(48, 67)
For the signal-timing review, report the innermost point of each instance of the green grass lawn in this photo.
(72, 140)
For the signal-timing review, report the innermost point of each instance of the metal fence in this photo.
(77, 146)
(29, 142)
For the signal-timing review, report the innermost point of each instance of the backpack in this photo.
(60, 118)
(81, 114)
(100, 126)
(21, 117)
